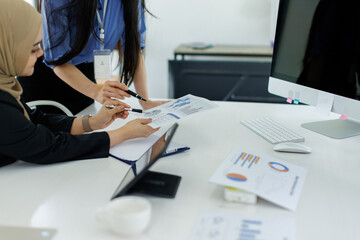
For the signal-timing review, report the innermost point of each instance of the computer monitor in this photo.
(317, 54)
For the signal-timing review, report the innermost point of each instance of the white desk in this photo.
(65, 196)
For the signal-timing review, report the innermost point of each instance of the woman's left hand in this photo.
(105, 116)
(151, 104)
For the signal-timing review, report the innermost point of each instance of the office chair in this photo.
(33, 105)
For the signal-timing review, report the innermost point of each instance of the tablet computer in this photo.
(140, 179)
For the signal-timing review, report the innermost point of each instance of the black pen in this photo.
(126, 109)
(135, 95)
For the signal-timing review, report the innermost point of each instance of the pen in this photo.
(126, 109)
(175, 150)
(172, 150)
(135, 95)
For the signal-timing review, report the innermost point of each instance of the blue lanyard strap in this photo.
(101, 22)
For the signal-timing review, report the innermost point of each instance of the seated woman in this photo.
(30, 135)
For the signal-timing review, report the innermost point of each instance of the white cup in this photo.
(127, 216)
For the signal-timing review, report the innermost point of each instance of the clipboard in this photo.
(131, 150)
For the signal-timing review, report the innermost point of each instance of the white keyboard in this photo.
(272, 131)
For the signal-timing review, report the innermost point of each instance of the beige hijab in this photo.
(19, 25)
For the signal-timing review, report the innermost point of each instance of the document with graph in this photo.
(229, 225)
(177, 109)
(272, 179)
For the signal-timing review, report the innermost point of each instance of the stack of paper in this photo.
(133, 149)
(177, 109)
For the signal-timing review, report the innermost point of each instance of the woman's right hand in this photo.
(133, 129)
(105, 116)
(112, 89)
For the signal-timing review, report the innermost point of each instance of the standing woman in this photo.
(73, 29)
(30, 135)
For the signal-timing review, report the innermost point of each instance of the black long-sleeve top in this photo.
(46, 138)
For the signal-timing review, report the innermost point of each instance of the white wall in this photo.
(245, 22)
(32, 2)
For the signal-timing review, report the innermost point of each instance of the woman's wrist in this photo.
(85, 121)
(94, 123)
(96, 93)
(117, 136)
(145, 104)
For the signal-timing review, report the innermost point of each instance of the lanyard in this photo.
(101, 23)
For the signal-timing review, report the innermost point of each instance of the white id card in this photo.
(102, 63)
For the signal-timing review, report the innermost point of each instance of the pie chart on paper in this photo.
(236, 177)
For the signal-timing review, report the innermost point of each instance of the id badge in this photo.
(102, 63)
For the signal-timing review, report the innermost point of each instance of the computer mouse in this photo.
(292, 147)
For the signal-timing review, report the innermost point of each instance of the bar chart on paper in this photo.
(250, 229)
(247, 160)
(244, 160)
(224, 225)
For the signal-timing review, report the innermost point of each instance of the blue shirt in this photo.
(114, 27)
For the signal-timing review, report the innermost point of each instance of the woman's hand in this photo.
(133, 129)
(151, 104)
(138, 128)
(112, 89)
(105, 116)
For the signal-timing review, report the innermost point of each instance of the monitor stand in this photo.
(157, 184)
(337, 128)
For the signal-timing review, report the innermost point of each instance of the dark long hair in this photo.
(84, 11)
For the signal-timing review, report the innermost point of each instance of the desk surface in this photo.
(226, 50)
(65, 196)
